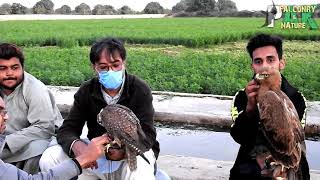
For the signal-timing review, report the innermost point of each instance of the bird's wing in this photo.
(124, 125)
(294, 118)
(130, 130)
(276, 122)
(278, 127)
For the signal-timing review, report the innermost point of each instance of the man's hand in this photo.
(3, 120)
(2, 127)
(90, 153)
(79, 148)
(279, 173)
(251, 91)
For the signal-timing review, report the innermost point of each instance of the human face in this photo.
(109, 61)
(3, 116)
(266, 57)
(11, 73)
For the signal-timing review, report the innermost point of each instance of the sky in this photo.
(139, 5)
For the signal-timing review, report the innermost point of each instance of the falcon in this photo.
(123, 126)
(280, 127)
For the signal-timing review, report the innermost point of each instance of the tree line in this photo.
(219, 8)
(47, 7)
(184, 8)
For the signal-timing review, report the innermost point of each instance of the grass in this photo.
(190, 32)
(218, 69)
(196, 55)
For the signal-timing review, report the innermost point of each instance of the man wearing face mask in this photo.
(113, 85)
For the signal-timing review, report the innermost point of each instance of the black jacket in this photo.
(88, 101)
(245, 131)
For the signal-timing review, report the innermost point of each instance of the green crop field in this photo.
(191, 32)
(196, 55)
(220, 69)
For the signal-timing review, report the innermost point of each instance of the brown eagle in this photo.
(123, 126)
(280, 126)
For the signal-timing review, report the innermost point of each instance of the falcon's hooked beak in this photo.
(261, 76)
(107, 147)
(112, 144)
(99, 121)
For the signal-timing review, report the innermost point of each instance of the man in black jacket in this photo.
(265, 51)
(112, 86)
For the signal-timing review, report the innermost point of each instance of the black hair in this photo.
(262, 40)
(8, 51)
(109, 44)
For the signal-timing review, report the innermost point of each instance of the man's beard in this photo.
(18, 81)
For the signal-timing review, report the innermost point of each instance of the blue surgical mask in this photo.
(111, 79)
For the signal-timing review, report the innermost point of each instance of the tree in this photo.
(180, 6)
(5, 9)
(201, 7)
(43, 7)
(83, 9)
(226, 6)
(17, 8)
(101, 10)
(153, 8)
(98, 9)
(204, 6)
(167, 11)
(258, 14)
(125, 10)
(65, 9)
(244, 13)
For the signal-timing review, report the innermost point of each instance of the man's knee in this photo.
(51, 157)
(30, 165)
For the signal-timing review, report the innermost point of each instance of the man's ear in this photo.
(282, 64)
(251, 65)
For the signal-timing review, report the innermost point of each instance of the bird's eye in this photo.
(266, 75)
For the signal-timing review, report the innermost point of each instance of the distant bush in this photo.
(208, 8)
(5, 9)
(125, 10)
(83, 9)
(65, 9)
(153, 8)
(43, 7)
(17, 8)
(103, 10)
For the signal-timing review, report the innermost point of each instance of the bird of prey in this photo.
(123, 126)
(280, 126)
(270, 16)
